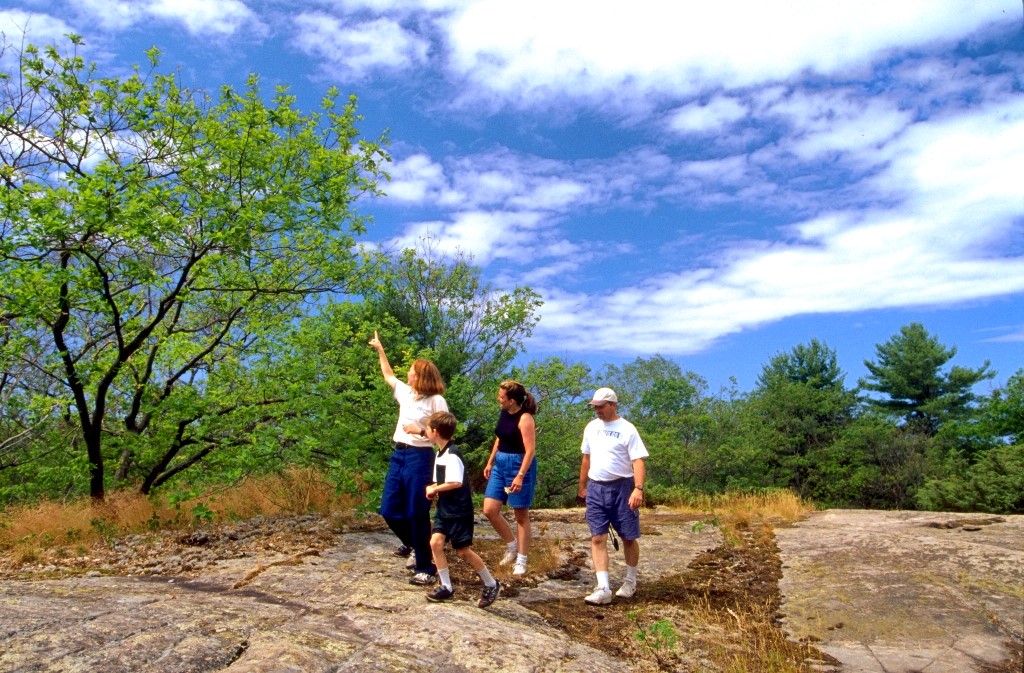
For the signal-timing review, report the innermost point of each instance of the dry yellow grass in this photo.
(740, 507)
(26, 531)
(296, 491)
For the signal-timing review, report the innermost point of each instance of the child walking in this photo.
(453, 519)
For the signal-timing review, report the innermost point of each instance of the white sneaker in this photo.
(519, 569)
(410, 563)
(627, 590)
(509, 558)
(601, 596)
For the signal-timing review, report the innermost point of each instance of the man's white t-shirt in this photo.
(612, 448)
(414, 409)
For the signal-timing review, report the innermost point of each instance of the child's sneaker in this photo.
(440, 593)
(509, 558)
(601, 596)
(627, 590)
(401, 551)
(519, 569)
(489, 594)
(423, 579)
(410, 563)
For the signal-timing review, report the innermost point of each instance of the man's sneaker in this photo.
(627, 590)
(519, 569)
(440, 593)
(402, 551)
(601, 596)
(423, 579)
(489, 594)
(410, 563)
(509, 558)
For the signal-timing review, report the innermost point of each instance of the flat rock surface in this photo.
(346, 608)
(888, 592)
(879, 591)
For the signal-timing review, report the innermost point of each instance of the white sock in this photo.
(602, 580)
(513, 545)
(485, 575)
(446, 579)
(631, 574)
(521, 558)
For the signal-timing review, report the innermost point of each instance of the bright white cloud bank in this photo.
(533, 50)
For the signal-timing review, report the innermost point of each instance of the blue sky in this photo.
(712, 182)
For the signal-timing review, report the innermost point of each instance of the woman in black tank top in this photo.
(511, 472)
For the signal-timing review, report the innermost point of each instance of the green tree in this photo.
(1004, 410)
(993, 483)
(873, 464)
(653, 388)
(814, 365)
(151, 238)
(469, 327)
(982, 463)
(672, 411)
(803, 408)
(908, 372)
(340, 413)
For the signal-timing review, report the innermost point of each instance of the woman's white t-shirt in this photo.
(414, 409)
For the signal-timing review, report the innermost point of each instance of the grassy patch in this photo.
(32, 534)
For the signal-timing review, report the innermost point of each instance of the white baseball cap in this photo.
(603, 395)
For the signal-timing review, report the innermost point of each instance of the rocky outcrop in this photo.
(878, 591)
(346, 608)
(888, 592)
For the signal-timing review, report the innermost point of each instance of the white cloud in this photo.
(712, 116)
(205, 17)
(500, 180)
(837, 121)
(399, 6)
(359, 48)
(38, 28)
(111, 14)
(534, 52)
(955, 193)
(1013, 337)
(416, 179)
(486, 235)
(222, 18)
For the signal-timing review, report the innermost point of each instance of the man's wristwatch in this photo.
(639, 487)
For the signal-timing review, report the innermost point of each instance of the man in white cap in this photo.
(612, 481)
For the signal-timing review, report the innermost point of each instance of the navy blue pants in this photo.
(404, 504)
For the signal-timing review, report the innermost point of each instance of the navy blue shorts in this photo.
(608, 504)
(506, 467)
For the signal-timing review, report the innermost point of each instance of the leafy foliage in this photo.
(469, 328)
(908, 371)
(151, 238)
(814, 365)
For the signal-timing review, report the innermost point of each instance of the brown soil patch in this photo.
(721, 613)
